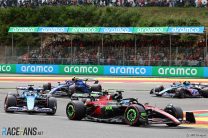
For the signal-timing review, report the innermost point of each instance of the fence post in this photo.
(206, 41)
(12, 44)
(71, 51)
(123, 55)
(6, 54)
(135, 47)
(206, 48)
(170, 51)
(150, 56)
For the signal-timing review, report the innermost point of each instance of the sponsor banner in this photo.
(37, 69)
(128, 70)
(178, 71)
(81, 69)
(83, 29)
(116, 30)
(205, 72)
(186, 29)
(7, 68)
(52, 29)
(23, 29)
(150, 29)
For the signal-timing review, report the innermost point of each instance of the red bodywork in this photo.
(156, 115)
(97, 105)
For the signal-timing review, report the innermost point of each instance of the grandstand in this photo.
(127, 3)
(103, 49)
(110, 49)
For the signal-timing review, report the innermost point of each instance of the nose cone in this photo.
(30, 102)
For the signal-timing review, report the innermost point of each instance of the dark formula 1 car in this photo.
(182, 90)
(29, 99)
(129, 111)
(74, 86)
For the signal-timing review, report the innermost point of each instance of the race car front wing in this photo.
(35, 109)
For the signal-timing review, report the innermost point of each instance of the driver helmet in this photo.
(31, 88)
(186, 83)
(74, 78)
(117, 96)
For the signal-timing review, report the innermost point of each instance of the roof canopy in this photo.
(109, 30)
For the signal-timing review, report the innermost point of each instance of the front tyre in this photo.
(52, 104)
(10, 101)
(75, 110)
(135, 115)
(175, 111)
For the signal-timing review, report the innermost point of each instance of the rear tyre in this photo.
(52, 104)
(175, 111)
(10, 101)
(47, 86)
(204, 92)
(180, 93)
(96, 87)
(75, 110)
(135, 115)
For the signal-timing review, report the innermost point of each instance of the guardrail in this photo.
(157, 71)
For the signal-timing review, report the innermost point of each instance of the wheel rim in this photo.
(131, 115)
(70, 111)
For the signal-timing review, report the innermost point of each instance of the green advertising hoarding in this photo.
(83, 29)
(7, 68)
(81, 69)
(150, 29)
(177, 71)
(23, 29)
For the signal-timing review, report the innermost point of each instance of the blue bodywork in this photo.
(69, 87)
(29, 97)
(172, 90)
(79, 84)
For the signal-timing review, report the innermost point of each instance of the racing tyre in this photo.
(52, 104)
(96, 87)
(12, 93)
(71, 90)
(204, 92)
(180, 93)
(175, 111)
(10, 101)
(75, 110)
(47, 86)
(157, 89)
(135, 115)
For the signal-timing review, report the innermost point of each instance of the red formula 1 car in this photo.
(112, 108)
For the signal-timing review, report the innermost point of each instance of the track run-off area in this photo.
(60, 126)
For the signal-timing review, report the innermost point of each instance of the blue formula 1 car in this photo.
(75, 85)
(29, 99)
(182, 90)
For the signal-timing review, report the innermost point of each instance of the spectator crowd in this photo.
(127, 3)
(146, 51)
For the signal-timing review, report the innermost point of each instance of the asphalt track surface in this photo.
(59, 126)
